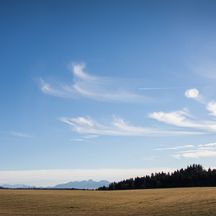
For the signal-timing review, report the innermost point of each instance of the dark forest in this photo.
(193, 176)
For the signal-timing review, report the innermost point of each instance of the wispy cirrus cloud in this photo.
(195, 94)
(198, 151)
(211, 107)
(193, 151)
(20, 134)
(208, 146)
(48, 89)
(183, 118)
(85, 138)
(87, 86)
(175, 147)
(118, 127)
(16, 134)
(160, 88)
(77, 140)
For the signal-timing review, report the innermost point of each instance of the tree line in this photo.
(192, 176)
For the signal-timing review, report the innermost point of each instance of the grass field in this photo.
(163, 202)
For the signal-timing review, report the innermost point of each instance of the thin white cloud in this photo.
(160, 88)
(92, 87)
(118, 127)
(91, 136)
(191, 151)
(79, 72)
(207, 146)
(194, 94)
(183, 118)
(196, 154)
(50, 90)
(78, 140)
(197, 151)
(177, 118)
(85, 138)
(211, 107)
(175, 147)
(19, 134)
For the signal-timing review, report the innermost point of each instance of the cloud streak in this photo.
(196, 154)
(191, 151)
(16, 134)
(183, 118)
(19, 134)
(175, 147)
(211, 107)
(118, 127)
(91, 87)
(194, 151)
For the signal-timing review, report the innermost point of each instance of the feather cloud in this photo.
(91, 87)
(118, 127)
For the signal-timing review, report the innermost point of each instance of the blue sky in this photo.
(107, 85)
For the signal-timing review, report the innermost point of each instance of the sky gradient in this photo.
(106, 85)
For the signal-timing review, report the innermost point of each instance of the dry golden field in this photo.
(163, 202)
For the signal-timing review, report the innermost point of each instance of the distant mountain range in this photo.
(86, 184)
(89, 184)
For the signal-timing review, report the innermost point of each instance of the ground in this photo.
(155, 202)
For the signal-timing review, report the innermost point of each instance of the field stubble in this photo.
(155, 202)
